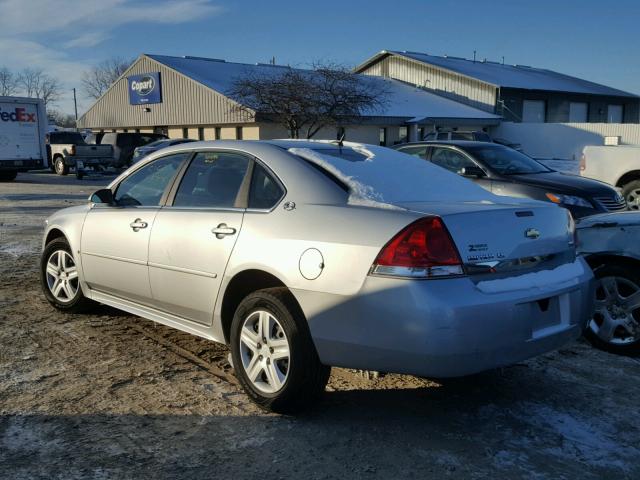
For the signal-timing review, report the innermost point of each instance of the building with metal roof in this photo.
(518, 93)
(188, 97)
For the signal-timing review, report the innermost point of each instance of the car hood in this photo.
(564, 183)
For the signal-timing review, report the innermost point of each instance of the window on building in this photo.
(185, 132)
(403, 134)
(578, 112)
(383, 137)
(200, 133)
(218, 133)
(615, 113)
(213, 180)
(238, 133)
(533, 111)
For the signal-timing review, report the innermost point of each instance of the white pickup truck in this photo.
(69, 150)
(616, 165)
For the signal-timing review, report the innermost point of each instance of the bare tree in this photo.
(36, 83)
(99, 78)
(308, 100)
(60, 119)
(8, 82)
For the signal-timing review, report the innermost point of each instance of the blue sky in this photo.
(590, 39)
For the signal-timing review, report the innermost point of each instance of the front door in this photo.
(115, 239)
(192, 239)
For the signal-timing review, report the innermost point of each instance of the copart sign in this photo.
(145, 88)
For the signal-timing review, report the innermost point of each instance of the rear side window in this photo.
(265, 191)
(145, 187)
(212, 180)
(420, 152)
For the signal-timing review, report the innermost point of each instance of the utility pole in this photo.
(75, 106)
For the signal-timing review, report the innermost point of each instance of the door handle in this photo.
(137, 224)
(223, 230)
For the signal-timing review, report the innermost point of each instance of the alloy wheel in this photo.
(633, 199)
(264, 351)
(617, 315)
(62, 276)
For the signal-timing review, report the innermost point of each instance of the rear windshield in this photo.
(384, 175)
(73, 138)
(505, 160)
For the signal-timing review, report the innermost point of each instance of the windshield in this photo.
(505, 160)
(158, 144)
(383, 175)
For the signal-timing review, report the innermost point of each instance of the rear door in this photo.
(115, 239)
(193, 236)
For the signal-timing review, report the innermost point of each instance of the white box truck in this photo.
(23, 125)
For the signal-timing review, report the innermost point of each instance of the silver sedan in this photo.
(303, 255)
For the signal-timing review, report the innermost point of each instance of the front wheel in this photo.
(60, 167)
(273, 355)
(631, 193)
(615, 326)
(60, 280)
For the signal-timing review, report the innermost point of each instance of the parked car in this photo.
(469, 135)
(140, 152)
(504, 171)
(303, 255)
(610, 245)
(69, 150)
(125, 143)
(619, 166)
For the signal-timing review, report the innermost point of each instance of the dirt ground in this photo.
(110, 395)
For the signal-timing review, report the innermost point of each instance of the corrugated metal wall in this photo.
(184, 102)
(564, 140)
(448, 84)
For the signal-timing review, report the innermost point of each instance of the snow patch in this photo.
(562, 276)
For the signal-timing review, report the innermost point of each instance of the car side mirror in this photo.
(472, 171)
(103, 196)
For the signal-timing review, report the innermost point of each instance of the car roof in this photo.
(459, 143)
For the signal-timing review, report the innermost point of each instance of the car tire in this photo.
(8, 176)
(279, 370)
(60, 167)
(631, 193)
(59, 278)
(615, 326)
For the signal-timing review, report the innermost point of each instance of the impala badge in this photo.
(531, 233)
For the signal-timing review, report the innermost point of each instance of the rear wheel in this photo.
(8, 176)
(60, 167)
(615, 326)
(273, 355)
(631, 193)
(60, 280)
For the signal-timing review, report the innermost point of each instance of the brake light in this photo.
(583, 162)
(423, 249)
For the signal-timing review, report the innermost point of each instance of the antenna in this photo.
(474, 56)
(503, 59)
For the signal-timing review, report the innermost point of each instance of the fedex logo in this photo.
(19, 115)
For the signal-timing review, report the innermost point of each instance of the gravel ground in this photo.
(110, 395)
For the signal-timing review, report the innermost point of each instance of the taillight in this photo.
(423, 249)
(583, 162)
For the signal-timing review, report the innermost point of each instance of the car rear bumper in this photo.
(445, 328)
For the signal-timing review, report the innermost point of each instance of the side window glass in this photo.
(416, 151)
(450, 159)
(212, 180)
(146, 186)
(265, 191)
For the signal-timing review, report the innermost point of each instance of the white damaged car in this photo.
(305, 255)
